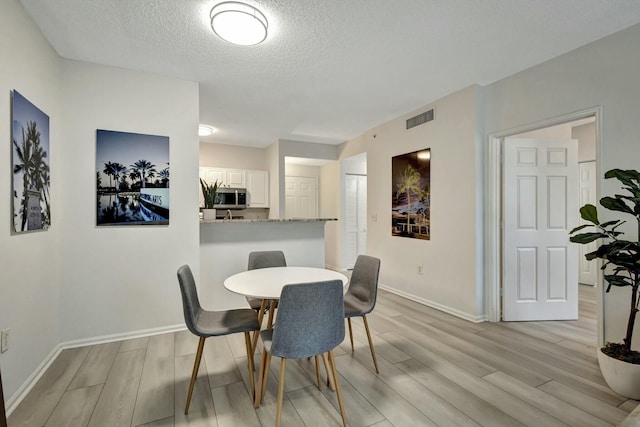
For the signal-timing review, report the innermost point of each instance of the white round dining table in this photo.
(267, 283)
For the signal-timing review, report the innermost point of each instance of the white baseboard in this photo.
(17, 397)
(438, 306)
(13, 402)
(123, 336)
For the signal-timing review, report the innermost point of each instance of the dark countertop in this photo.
(246, 220)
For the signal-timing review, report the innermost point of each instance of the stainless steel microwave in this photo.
(231, 198)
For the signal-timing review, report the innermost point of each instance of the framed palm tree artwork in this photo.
(411, 195)
(30, 160)
(132, 178)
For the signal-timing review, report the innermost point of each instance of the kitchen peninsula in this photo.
(225, 245)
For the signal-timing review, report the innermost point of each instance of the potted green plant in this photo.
(620, 365)
(209, 192)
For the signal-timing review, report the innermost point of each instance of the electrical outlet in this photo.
(4, 340)
(420, 269)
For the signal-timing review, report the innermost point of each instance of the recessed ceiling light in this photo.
(205, 130)
(238, 23)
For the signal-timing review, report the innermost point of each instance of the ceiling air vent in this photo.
(420, 119)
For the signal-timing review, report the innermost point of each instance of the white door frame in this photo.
(493, 208)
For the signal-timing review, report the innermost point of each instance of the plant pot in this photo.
(208, 214)
(622, 377)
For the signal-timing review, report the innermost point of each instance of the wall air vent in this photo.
(420, 119)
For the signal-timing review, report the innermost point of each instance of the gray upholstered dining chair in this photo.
(205, 323)
(361, 296)
(310, 322)
(263, 259)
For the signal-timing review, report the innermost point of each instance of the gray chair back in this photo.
(310, 319)
(364, 281)
(266, 259)
(190, 301)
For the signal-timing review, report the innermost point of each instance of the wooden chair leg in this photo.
(373, 352)
(256, 334)
(350, 333)
(317, 360)
(283, 365)
(247, 340)
(332, 360)
(261, 374)
(327, 367)
(266, 376)
(272, 310)
(194, 375)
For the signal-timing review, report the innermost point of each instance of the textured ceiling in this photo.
(329, 69)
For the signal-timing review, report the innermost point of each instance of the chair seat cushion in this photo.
(355, 307)
(214, 323)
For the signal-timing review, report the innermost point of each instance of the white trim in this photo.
(123, 336)
(27, 386)
(493, 205)
(437, 306)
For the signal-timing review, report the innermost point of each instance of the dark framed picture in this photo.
(411, 195)
(132, 178)
(31, 170)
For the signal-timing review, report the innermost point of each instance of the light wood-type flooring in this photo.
(435, 370)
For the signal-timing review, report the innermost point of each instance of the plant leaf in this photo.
(615, 204)
(619, 281)
(609, 223)
(627, 177)
(589, 213)
(586, 237)
(580, 227)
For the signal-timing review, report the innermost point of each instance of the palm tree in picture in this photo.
(134, 176)
(118, 169)
(108, 170)
(26, 165)
(164, 174)
(41, 178)
(409, 183)
(146, 170)
(424, 194)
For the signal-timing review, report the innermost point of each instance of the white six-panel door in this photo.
(540, 205)
(588, 269)
(301, 197)
(355, 218)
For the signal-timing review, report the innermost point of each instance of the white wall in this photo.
(301, 170)
(586, 134)
(76, 281)
(456, 185)
(232, 157)
(30, 262)
(330, 208)
(123, 279)
(604, 73)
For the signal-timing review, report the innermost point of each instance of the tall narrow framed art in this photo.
(411, 195)
(31, 198)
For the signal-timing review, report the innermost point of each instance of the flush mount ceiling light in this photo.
(238, 23)
(205, 130)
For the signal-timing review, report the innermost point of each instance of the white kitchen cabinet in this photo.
(258, 189)
(256, 183)
(235, 178)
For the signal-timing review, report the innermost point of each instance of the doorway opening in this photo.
(353, 172)
(585, 126)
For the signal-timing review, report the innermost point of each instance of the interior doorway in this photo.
(354, 209)
(578, 125)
